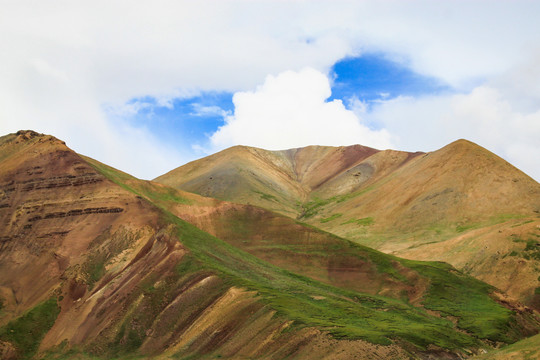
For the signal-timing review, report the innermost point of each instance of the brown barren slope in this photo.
(461, 204)
(276, 180)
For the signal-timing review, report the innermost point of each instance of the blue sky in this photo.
(153, 86)
(193, 117)
(372, 77)
(369, 78)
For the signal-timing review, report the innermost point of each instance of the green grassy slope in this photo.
(26, 332)
(527, 349)
(345, 313)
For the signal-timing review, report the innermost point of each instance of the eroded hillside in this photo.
(96, 263)
(460, 204)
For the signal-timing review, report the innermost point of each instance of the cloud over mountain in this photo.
(290, 110)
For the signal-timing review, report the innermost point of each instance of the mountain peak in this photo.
(28, 134)
(463, 144)
(31, 135)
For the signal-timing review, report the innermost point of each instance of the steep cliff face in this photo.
(70, 234)
(93, 261)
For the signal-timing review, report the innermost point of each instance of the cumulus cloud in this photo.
(290, 110)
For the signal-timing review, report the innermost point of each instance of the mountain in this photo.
(95, 263)
(277, 180)
(460, 204)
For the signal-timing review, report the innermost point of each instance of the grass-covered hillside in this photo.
(394, 291)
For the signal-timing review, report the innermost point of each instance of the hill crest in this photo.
(408, 204)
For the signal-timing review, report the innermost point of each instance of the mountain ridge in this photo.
(408, 204)
(288, 175)
(141, 281)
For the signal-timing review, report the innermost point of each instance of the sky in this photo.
(146, 86)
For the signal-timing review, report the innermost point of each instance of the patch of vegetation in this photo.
(94, 267)
(534, 255)
(505, 217)
(537, 291)
(455, 294)
(189, 264)
(532, 245)
(516, 239)
(332, 217)
(342, 198)
(313, 207)
(531, 250)
(501, 218)
(367, 221)
(526, 349)
(161, 194)
(523, 223)
(118, 177)
(372, 318)
(26, 332)
(464, 227)
(265, 196)
(62, 352)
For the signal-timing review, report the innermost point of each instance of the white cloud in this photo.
(155, 48)
(290, 110)
(201, 110)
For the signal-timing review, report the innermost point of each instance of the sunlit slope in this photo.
(461, 204)
(484, 210)
(95, 262)
(278, 180)
(459, 185)
(89, 267)
(309, 251)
